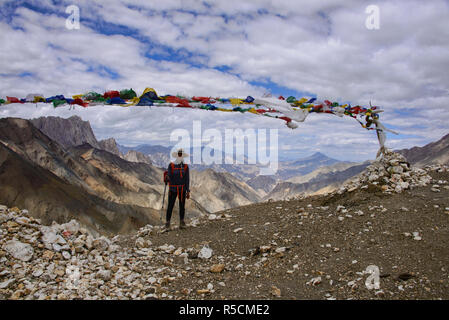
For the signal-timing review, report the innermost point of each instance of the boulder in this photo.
(19, 250)
(6, 284)
(105, 275)
(101, 243)
(50, 236)
(73, 227)
(205, 253)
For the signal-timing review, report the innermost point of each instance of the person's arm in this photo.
(169, 173)
(188, 182)
(188, 179)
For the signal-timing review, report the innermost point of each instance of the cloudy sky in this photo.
(234, 48)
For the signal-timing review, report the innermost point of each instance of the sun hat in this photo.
(175, 154)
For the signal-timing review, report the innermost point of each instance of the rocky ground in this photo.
(319, 247)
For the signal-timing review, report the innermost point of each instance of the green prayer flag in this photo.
(128, 94)
(291, 99)
(57, 103)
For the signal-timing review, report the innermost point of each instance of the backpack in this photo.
(172, 165)
(173, 168)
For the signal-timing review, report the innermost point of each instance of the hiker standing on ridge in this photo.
(178, 179)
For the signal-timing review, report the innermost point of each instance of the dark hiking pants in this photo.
(172, 195)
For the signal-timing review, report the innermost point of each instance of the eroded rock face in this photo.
(29, 161)
(68, 132)
(110, 145)
(392, 173)
(433, 153)
(136, 156)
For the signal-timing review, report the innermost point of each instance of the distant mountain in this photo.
(289, 169)
(324, 180)
(316, 174)
(158, 155)
(68, 132)
(136, 156)
(228, 163)
(262, 183)
(150, 149)
(123, 149)
(316, 157)
(242, 172)
(432, 153)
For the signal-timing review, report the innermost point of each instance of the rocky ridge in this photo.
(136, 156)
(436, 152)
(68, 132)
(110, 145)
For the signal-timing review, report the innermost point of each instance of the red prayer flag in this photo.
(13, 100)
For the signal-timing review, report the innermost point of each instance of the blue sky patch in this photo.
(104, 71)
(277, 90)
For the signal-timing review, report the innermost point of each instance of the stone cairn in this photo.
(392, 173)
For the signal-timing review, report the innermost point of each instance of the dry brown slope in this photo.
(50, 198)
(433, 153)
(220, 190)
(318, 244)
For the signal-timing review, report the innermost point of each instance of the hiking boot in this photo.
(182, 224)
(167, 226)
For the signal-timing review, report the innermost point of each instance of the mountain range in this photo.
(321, 169)
(113, 194)
(56, 184)
(59, 170)
(322, 180)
